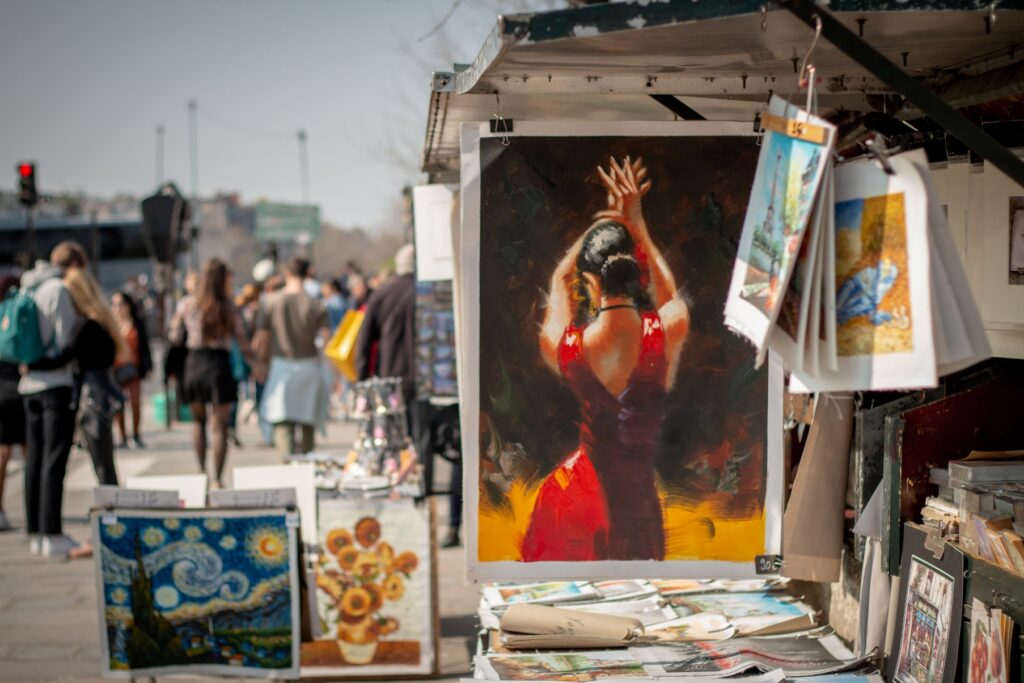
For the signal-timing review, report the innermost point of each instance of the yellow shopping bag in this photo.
(341, 348)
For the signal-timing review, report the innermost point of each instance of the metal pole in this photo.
(930, 104)
(193, 134)
(94, 235)
(159, 155)
(30, 232)
(304, 166)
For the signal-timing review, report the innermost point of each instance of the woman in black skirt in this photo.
(12, 411)
(206, 323)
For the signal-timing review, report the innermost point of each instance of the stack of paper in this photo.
(851, 275)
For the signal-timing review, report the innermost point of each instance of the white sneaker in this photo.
(35, 544)
(5, 524)
(58, 545)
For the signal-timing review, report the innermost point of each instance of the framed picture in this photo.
(613, 427)
(375, 591)
(931, 604)
(197, 592)
(1002, 298)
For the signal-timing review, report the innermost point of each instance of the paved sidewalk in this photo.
(48, 614)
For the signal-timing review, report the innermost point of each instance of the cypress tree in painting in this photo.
(153, 640)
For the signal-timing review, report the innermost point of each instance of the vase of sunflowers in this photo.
(360, 573)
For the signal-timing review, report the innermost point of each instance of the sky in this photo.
(84, 85)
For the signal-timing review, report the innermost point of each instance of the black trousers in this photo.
(98, 431)
(49, 429)
(98, 402)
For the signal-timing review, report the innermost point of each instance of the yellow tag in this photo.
(801, 130)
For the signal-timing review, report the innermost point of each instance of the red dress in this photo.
(601, 503)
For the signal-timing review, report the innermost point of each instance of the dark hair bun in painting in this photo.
(609, 252)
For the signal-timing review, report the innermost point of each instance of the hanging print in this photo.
(613, 426)
(198, 592)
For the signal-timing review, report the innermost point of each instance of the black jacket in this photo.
(390, 322)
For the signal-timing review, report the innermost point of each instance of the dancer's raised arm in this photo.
(626, 187)
(561, 308)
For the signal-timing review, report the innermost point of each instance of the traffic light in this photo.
(28, 195)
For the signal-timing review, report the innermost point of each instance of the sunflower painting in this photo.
(373, 590)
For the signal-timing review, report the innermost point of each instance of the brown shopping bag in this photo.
(341, 348)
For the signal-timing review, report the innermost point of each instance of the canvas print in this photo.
(1016, 274)
(927, 611)
(882, 283)
(545, 593)
(990, 645)
(797, 656)
(553, 666)
(373, 590)
(782, 198)
(210, 591)
(779, 211)
(619, 421)
(873, 309)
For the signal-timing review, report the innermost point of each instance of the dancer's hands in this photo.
(626, 184)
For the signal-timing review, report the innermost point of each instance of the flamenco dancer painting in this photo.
(614, 329)
(619, 421)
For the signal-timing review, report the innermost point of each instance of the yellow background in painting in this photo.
(500, 534)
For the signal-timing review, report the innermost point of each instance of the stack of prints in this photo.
(851, 275)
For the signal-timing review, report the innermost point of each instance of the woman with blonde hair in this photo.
(97, 343)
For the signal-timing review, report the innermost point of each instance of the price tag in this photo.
(767, 564)
(108, 519)
(291, 519)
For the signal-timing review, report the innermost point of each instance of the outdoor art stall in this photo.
(321, 568)
(739, 328)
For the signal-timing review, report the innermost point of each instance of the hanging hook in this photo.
(805, 62)
(500, 124)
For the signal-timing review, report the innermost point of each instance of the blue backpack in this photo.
(20, 340)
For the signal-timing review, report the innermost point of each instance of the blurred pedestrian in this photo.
(97, 346)
(207, 322)
(390, 324)
(358, 290)
(247, 303)
(310, 284)
(12, 411)
(295, 395)
(49, 406)
(335, 303)
(131, 369)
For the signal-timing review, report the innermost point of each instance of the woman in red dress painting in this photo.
(614, 329)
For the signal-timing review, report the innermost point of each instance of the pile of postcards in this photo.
(585, 631)
(849, 272)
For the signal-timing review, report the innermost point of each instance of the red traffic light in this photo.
(26, 170)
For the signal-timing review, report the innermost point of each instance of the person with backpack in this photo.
(48, 395)
(12, 410)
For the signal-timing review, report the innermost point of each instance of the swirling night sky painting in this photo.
(198, 590)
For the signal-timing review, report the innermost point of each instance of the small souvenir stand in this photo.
(945, 76)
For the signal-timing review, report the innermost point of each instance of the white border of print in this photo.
(291, 524)
(469, 377)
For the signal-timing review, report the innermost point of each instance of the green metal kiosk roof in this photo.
(722, 58)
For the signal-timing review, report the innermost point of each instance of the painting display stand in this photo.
(596, 70)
